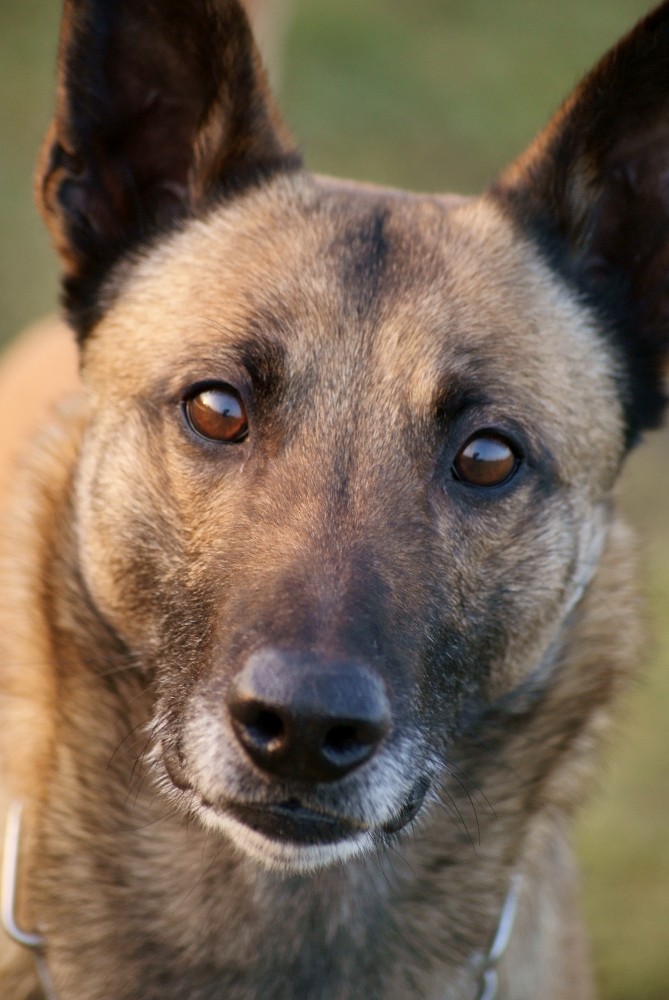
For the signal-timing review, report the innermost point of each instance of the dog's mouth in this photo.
(293, 822)
(296, 821)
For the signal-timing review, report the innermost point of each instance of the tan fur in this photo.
(478, 233)
(144, 568)
(41, 366)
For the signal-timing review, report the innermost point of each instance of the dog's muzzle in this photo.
(304, 721)
(313, 768)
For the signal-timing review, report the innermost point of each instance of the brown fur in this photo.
(372, 334)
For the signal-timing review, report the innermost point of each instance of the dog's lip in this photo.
(290, 820)
(174, 771)
(410, 809)
(293, 822)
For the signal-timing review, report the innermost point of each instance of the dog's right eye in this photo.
(217, 413)
(486, 460)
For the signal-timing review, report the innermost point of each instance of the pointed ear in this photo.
(161, 106)
(594, 192)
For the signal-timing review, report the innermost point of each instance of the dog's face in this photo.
(367, 348)
(350, 454)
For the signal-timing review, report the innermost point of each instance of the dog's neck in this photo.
(485, 969)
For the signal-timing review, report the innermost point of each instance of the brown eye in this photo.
(218, 414)
(486, 460)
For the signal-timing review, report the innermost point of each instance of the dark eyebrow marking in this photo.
(455, 395)
(264, 358)
(364, 250)
(258, 357)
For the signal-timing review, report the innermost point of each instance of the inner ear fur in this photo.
(161, 106)
(593, 190)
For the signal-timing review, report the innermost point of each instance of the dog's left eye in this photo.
(217, 413)
(486, 460)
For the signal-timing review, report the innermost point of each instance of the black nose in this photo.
(308, 718)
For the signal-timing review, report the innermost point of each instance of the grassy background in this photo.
(432, 94)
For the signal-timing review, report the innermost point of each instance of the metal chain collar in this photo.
(489, 982)
(8, 895)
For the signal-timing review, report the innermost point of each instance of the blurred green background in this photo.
(431, 94)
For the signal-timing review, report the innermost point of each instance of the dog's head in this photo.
(349, 463)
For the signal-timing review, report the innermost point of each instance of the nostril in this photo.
(259, 725)
(345, 745)
(266, 728)
(341, 739)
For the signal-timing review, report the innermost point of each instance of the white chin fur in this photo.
(291, 859)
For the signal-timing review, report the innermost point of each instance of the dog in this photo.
(316, 601)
